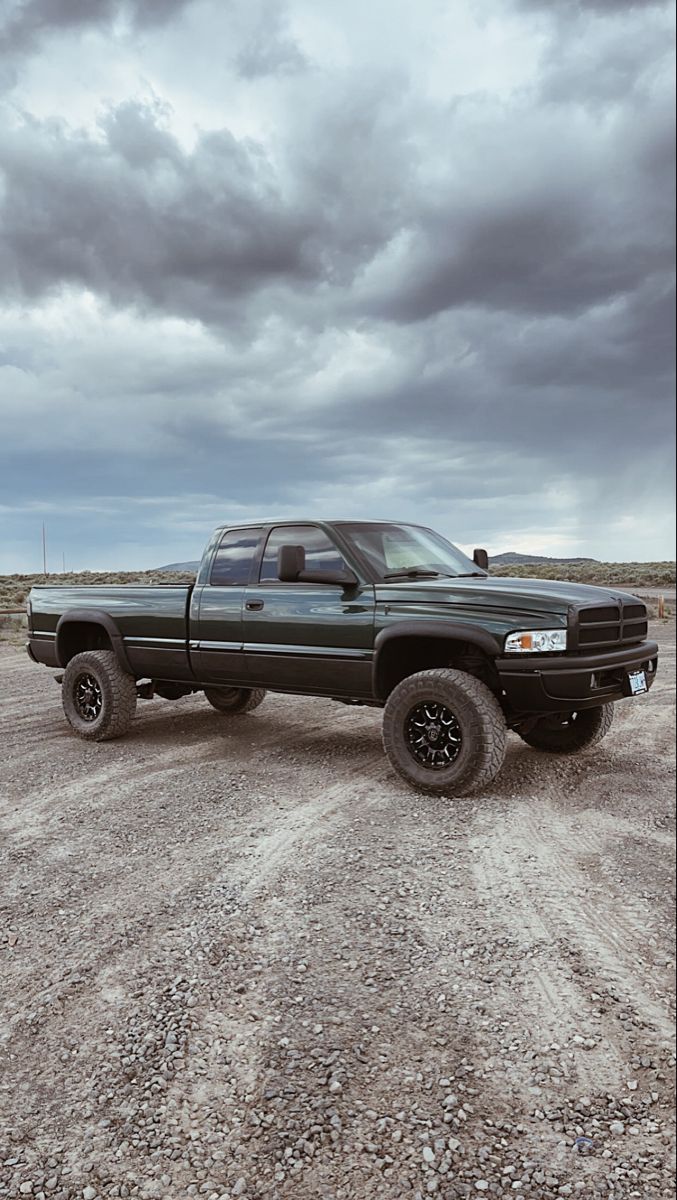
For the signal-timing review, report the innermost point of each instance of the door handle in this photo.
(254, 605)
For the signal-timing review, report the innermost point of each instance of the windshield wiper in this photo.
(472, 575)
(416, 573)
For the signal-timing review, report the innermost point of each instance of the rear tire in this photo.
(444, 732)
(98, 697)
(235, 700)
(569, 733)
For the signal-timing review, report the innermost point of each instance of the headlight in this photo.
(536, 641)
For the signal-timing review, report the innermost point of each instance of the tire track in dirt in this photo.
(266, 892)
(587, 947)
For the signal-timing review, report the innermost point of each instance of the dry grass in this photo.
(14, 589)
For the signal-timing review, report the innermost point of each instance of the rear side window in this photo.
(233, 559)
(321, 553)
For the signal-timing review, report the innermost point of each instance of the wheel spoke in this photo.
(433, 735)
(88, 697)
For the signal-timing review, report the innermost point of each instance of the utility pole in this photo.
(63, 561)
(44, 549)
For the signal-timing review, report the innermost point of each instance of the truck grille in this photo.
(611, 625)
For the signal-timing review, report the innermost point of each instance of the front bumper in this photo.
(550, 683)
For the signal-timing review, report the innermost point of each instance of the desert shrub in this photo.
(630, 574)
(14, 589)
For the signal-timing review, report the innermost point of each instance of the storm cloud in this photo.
(261, 259)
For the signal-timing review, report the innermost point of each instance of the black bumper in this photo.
(546, 683)
(40, 650)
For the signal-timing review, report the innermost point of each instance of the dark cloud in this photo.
(139, 221)
(561, 221)
(336, 288)
(28, 21)
(27, 25)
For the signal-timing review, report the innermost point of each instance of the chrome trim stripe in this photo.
(41, 633)
(237, 646)
(308, 651)
(148, 640)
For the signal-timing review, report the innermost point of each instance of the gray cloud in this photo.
(546, 229)
(270, 49)
(567, 8)
(336, 287)
(140, 221)
(27, 25)
(28, 21)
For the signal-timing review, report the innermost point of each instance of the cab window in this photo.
(233, 559)
(321, 553)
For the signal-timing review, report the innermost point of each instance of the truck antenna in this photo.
(44, 549)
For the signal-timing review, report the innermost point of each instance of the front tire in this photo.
(569, 733)
(98, 697)
(235, 700)
(444, 732)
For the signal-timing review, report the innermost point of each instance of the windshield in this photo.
(402, 551)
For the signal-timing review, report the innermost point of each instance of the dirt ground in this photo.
(239, 958)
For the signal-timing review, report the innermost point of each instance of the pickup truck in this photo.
(365, 612)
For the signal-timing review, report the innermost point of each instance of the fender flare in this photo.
(94, 616)
(456, 631)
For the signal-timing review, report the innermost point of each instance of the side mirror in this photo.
(291, 561)
(343, 578)
(481, 559)
(291, 568)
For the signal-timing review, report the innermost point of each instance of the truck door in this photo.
(216, 629)
(308, 637)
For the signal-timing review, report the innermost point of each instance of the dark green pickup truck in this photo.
(366, 612)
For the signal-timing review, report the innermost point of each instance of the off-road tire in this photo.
(235, 700)
(479, 717)
(572, 732)
(117, 695)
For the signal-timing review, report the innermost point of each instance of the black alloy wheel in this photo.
(434, 735)
(87, 697)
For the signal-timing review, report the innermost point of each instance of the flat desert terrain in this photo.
(238, 957)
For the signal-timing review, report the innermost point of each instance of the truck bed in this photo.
(152, 620)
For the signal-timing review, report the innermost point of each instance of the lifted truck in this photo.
(366, 612)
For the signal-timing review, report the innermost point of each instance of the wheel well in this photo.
(77, 636)
(404, 656)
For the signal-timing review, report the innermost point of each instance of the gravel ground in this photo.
(239, 958)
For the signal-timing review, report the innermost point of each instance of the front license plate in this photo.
(637, 681)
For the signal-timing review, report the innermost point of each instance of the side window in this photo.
(321, 553)
(233, 559)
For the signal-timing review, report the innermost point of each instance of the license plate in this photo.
(637, 681)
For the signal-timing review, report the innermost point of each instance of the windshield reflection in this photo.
(409, 551)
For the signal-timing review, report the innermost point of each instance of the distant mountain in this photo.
(187, 566)
(513, 559)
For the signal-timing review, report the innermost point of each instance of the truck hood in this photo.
(513, 594)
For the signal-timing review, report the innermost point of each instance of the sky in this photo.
(326, 258)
